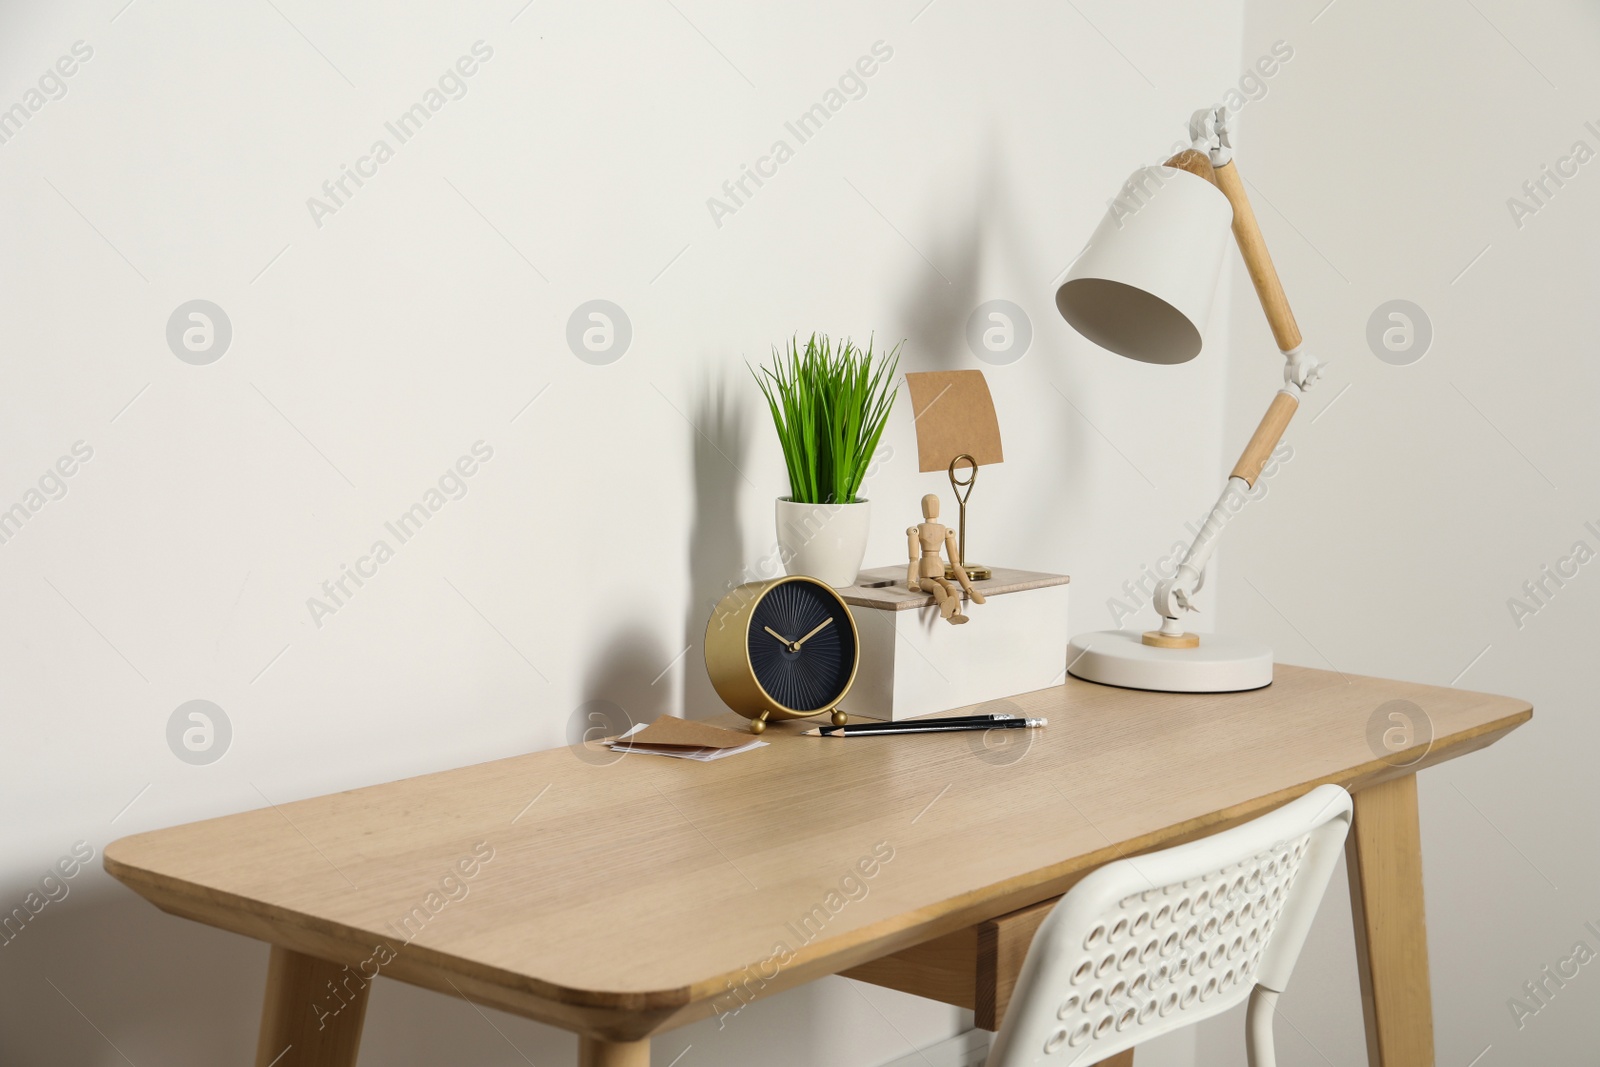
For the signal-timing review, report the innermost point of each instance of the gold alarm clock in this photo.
(786, 648)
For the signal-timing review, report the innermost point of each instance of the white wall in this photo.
(1426, 494)
(371, 351)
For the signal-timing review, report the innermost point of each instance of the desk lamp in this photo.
(1143, 289)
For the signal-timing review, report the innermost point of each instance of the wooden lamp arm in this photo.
(1302, 369)
(1269, 431)
(1175, 594)
(1269, 290)
(1257, 260)
(1247, 234)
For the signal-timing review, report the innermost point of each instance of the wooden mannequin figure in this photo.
(925, 571)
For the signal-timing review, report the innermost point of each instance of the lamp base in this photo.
(1219, 665)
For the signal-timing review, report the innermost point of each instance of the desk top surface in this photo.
(646, 884)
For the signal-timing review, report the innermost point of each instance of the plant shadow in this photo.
(720, 439)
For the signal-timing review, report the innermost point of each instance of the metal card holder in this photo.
(975, 571)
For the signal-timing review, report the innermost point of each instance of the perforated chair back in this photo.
(1150, 944)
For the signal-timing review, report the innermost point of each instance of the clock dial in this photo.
(802, 646)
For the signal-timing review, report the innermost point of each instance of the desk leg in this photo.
(593, 1052)
(1383, 855)
(303, 1022)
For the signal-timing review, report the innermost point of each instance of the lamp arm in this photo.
(1211, 157)
(1301, 369)
(1257, 260)
(1175, 595)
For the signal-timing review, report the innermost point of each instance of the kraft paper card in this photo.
(684, 739)
(954, 413)
(672, 731)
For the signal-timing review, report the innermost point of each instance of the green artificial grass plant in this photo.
(829, 404)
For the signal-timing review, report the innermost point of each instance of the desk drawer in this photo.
(975, 968)
(1002, 946)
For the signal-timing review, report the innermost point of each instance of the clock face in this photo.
(816, 674)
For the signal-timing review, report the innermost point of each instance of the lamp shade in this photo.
(1143, 287)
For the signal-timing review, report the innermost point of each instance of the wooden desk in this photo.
(624, 899)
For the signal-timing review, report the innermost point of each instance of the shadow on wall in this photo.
(101, 978)
(622, 684)
(109, 980)
(974, 256)
(716, 540)
(979, 256)
(166, 990)
(936, 305)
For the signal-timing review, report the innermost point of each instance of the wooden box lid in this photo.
(884, 588)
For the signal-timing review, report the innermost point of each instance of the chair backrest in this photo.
(1153, 943)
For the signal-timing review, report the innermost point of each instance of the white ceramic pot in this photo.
(825, 541)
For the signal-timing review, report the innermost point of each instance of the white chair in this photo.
(1151, 944)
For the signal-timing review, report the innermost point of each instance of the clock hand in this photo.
(790, 645)
(809, 636)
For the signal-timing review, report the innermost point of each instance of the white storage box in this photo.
(915, 663)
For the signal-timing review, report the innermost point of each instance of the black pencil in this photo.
(904, 724)
(927, 726)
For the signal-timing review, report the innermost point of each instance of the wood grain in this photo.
(1195, 162)
(312, 1013)
(595, 1053)
(944, 969)
(626, 898)
(884, 588)
(1002, 946)
(1383, 856)
(1257, 260)
(1268, 432)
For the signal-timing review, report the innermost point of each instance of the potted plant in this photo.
(829, 403)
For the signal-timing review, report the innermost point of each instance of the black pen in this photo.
(928, 726)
